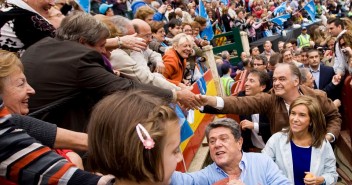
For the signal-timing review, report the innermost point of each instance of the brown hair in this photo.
(113, 144)
(109, 24)
(200, 20)
(9, 63)
(185, 24)
(347, 37)
(317, 119)
(195, 24)
(156, 25)
(143, 12)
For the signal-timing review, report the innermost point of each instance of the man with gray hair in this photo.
(286, 88)
(70, 74)
(230, 163)
(134, 65)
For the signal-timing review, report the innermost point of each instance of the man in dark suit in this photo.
(256, 126)
(71, 73)
(323, 75)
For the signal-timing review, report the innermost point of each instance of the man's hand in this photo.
(245, 124)
(188, 99)
(206, 100)
(160, 67)
(336, 79)
(133, 42)
(162, 9)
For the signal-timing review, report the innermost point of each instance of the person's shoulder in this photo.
(317, 93)
(253, 157)
(326, 68)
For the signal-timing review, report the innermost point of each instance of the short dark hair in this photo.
(225, 68)
(293, 41)
(227, 123)
(173, 23)
(312, 50)
(264, 78)
(337, 22)
(305, 49)
(262, 58)
(251, 49)
(274, 59)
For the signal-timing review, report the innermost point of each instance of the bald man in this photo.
(134, 65)
(144, 31)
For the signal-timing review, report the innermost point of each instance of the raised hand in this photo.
(133, 42)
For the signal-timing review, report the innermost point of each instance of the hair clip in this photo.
(148, 142)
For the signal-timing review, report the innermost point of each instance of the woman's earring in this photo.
(310, 124)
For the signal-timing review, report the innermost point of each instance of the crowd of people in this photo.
(96, 92)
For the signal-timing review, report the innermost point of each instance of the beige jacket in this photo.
(138, 70)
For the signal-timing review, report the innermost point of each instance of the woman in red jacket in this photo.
(175, 59)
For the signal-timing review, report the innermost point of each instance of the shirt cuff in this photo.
(219, 103)
(174, 95)
(256, 127)
(333, 137)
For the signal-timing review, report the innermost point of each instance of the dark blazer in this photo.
(325, 76)
(264, 129)
(69, 78)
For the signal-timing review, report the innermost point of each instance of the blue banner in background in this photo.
(225, 2)
(84, 4)
(208, 31)
(281, 19)
(280, 8)
(310, 8)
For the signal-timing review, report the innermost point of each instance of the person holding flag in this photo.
(207, 32)
(241, 22)
(310, 8)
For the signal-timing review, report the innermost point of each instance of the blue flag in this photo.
(310, 8)
(84, 4)
(280, 8)
(225, 2)
(186, 130)
(208, 31)
(281, 19)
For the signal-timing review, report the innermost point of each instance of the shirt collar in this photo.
(242, 166)
(316, 71)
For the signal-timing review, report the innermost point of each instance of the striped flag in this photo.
(186, 130)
